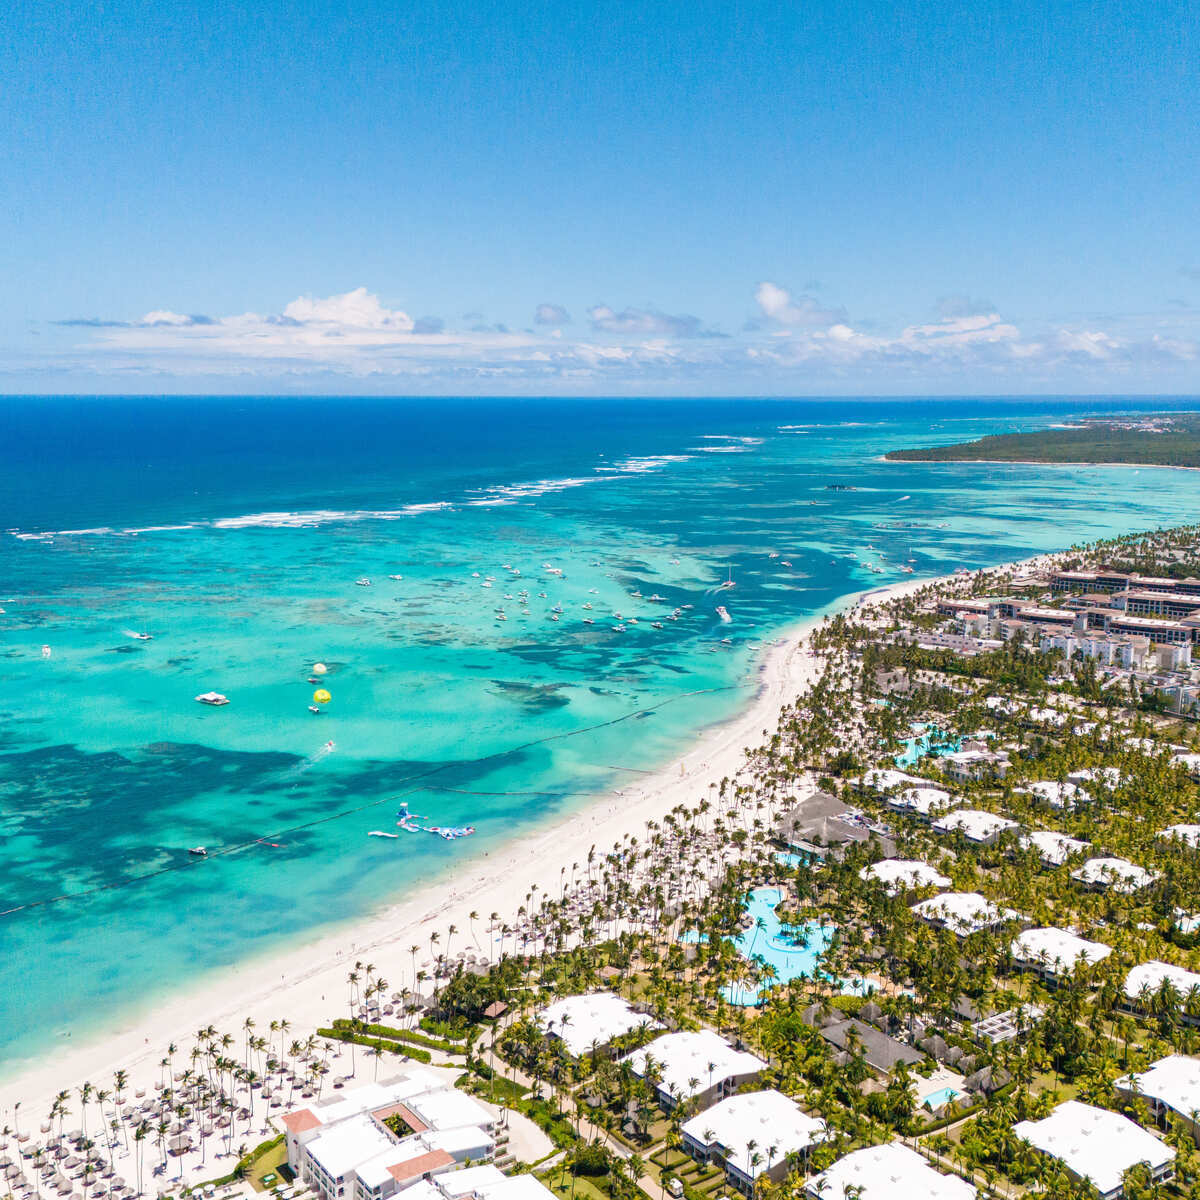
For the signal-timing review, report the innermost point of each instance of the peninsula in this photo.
(1155, 439)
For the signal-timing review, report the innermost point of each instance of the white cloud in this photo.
(779, 306)
(358, 309)
(551, 314)
(353, 335)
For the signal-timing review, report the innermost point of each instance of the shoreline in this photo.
(1035, 462)
(306, 983)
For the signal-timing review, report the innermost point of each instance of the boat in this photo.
(314, 679)
(656, 624)
(618, 628)
(213, 698)
(199, 851)
(728, 582)
(907, 570)
(588, 621)
(364, 582)
(587, 604)
(657, 599)
(46, 652)
(397, 578)
(554, 616)
(143, 637)
(380, 833)
(501, 617)
(312, 708)
(784, 562)
(723, 613)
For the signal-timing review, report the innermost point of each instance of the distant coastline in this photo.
(1150, 440)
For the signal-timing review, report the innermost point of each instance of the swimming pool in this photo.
(928, 741)
(935, 1100)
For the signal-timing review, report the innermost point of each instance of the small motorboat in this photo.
(199, 851)
(364, 582)
(381, 833)
(215, 699)
(397, 578)
(656, 624)
(312, 708)
(143, 637)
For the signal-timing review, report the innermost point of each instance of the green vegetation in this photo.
(1175, 442)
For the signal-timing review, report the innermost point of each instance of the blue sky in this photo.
(794, 198)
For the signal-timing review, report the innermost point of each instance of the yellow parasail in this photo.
(321, 696)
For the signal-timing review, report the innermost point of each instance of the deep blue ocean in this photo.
(473, 687)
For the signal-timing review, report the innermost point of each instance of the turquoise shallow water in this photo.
(234, 532)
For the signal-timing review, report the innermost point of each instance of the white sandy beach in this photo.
(307, 984)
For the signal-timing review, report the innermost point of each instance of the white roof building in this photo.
(983, 828)
(887, 1172)
(739, 1127)
(489, 1183)
(963, 913)
(887, 779)
(1189, 762)
(1055, 952)
(1054, 848)
(896, 874)
(1097, 1145)
(1117, 874)
(1105, 777)
(1171, 1083)
(695, 1064)
(1149, 977)
(923, 802)
(1188, 834)
(581, 1022)
(344, 1149)
(1057, 795)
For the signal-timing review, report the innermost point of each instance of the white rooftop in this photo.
(1189, 762)
(594, 1019)
(1055, 848)
(469, 1180)
(1094, 1144)
(1173, 1081)
(350, 1143)
(963, 912)
(371, 1096)
(974, 824)
(898, 873)
(887, 779)
(703, 1057)
(742, 1124)
(1153, 974)
(1119, 874)
(1109, 777)
(888, 1172)
(445, 1108)
(1189, 834)
(924, 801)
(1057, 795)
(515, 1187)
(1056, 950)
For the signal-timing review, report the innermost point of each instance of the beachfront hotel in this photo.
(699, 1066)
(591, 1022)
(752, 1136)
(382, 1138)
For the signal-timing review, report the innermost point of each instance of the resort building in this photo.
(1057, 795)
(965, 765)
(887, 779)
(1054, 848)
(897, 874)
(886, 1172)
(585, 1024)
(1113, 874)
(1189, 762)
(481, 1183)
(699, 1066)
(1098, 1146)
(1171, 1085)
(963, 913)
(1105, 777)
(820, 825)
(924, 803)
(1188, 834)
(1008, 1025)
(382, 1137)
(1149, 983)
(1054, 953)
(982, 828)
(880, 1051)
(752, 1136)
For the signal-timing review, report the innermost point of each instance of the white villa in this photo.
(1054, 848)
(1170, 1085)
(896, 874)
(1097, 1146)
(1055, 953)
(963, 913)
(701, 1066)
(591, 1021)
(752, 1135)
(1117, 874)
(982, 828)
(888, 1172)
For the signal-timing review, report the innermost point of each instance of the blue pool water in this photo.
(942, 1096)
(233, 530)
(930, 741)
